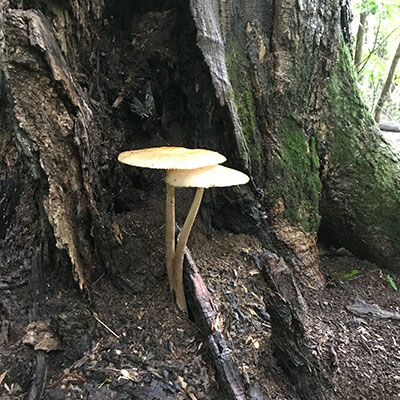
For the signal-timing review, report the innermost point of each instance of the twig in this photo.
(375, 47)
(70, 377)
(105, 326)
(98, 279)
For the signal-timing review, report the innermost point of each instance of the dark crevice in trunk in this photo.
(346, 17)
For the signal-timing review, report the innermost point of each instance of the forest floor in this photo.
(138, 345)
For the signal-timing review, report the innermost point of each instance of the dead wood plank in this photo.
(202, 310)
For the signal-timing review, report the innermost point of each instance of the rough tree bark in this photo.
(268, 83)
(285, 77)
(360, 174)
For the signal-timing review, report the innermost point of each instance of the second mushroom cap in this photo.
(206, 177)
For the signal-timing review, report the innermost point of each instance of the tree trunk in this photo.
(360, 175)
(386, 86)
(47, 124)
(268, 84)
(360, 40)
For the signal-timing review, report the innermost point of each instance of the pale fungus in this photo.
(170, 158)
(206, 177)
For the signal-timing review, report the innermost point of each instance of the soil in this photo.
(138, 345)
(129, 341)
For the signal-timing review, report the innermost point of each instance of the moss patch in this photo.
(359, 155)
(296, 177)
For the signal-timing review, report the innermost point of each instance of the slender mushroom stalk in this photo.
(180, 249)
(201, 178)
(170, 234)
(170, 158)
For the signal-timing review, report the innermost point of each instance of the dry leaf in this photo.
(117, 233)
(2, 376)
(41, 337)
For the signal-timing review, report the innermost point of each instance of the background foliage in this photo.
(381, 38)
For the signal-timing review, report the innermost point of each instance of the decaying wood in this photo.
(51, 128)
(39, 376)
(206, 15)
(205, 316)
(288, 310)
(45, 127)
(361, 307)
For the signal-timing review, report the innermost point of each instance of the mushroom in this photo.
(170, 158)
(200, 178)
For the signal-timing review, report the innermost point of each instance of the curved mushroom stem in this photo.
(170, 234)
(180, 249)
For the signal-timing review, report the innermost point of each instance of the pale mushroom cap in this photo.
(171, 158)
(212, 176)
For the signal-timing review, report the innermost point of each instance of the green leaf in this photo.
(391, 281)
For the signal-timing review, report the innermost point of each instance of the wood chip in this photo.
(131, 374)
(252, 312)
(217, 324)
(181, 382)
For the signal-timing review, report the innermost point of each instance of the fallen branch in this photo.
(361, 307)
(203, 312)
